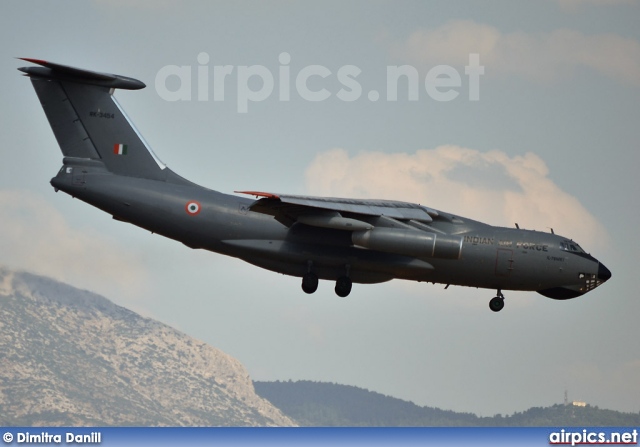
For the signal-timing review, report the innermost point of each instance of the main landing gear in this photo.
(343, 286)
(310, 279)
(310, 283)
(496, 304)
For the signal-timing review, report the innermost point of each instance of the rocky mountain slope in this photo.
(71, 357)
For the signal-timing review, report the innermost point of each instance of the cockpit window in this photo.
(571, 246)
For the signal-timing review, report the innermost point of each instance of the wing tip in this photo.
(34, 61)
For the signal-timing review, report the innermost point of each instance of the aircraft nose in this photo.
(603, 272)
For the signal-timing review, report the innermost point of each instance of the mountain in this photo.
(331, 405)
(71, 357)
(328, 404)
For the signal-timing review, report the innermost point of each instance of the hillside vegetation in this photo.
(329, 404)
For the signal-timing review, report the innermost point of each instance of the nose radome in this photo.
(603, 272)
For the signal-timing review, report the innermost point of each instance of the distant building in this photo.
(575, 403)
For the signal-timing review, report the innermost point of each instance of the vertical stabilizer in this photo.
(89, 123)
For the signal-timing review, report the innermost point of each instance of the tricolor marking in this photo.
(192, 207)
(120, 149)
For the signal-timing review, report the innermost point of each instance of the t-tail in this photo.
(90, 126)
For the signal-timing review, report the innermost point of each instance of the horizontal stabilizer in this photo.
(60, 72)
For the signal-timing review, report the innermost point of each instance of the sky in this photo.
(547, 136)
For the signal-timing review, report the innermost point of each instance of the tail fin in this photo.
(89, 123)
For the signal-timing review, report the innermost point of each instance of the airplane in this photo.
(107, 163)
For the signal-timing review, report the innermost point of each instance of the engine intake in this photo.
(415, 243)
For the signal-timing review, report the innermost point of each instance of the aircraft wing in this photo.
(329, 212)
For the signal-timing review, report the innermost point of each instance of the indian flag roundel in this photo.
(193, 207)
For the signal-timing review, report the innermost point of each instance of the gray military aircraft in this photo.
(108, 164)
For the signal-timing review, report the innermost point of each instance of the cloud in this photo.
(487, 186)
(36, 237)
(542, 57)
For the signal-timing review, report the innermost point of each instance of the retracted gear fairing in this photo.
(107, 164)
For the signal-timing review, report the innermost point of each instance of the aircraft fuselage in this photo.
(491, 257)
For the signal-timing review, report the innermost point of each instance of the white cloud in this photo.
(540, 56)
(36, 237)
(486, 186)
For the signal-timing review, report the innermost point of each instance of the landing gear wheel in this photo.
(309, 283)
(496, 304)
(343, 286)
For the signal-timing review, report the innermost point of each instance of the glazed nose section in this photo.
(603, 273)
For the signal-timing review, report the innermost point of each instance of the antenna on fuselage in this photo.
(517, 226)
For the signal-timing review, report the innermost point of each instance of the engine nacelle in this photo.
(415, 243)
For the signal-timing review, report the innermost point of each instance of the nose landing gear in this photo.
(496, 304)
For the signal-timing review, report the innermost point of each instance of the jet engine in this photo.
(419, 244)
